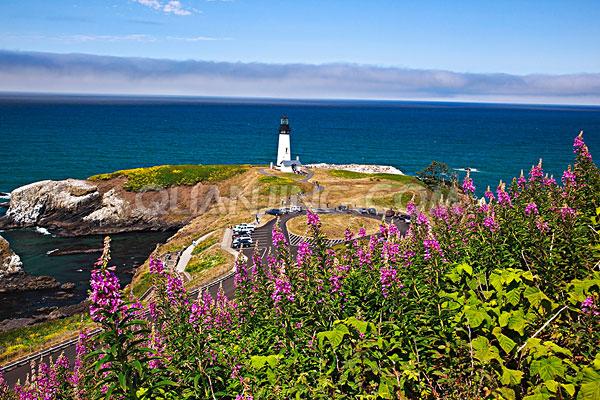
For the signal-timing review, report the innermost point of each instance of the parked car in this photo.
(342, 207)
(274, 211)
(403, 217)
(242, 241)
(363, 210)
(389, 213)
(372, 211)
(242, 229)
(295, 209)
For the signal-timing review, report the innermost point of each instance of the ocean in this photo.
(56, 137)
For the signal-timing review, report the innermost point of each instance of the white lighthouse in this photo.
(284, 152)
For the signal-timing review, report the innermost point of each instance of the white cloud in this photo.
(108, 38)
(175, 7)
(83, 73)
(195, 38)
(170, 7)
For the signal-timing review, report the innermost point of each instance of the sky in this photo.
(512, 51)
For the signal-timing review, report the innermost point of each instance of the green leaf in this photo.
(506, 343)
(517, 321)
(122, 382)
(464, 267)
(475, 316)
(590, 385)
(548, 368)
(511, 377)
(514, 296)
(258, 362)
(334, 336)
(360, 326)
(484, 351)
(535, 296)
(506, 393)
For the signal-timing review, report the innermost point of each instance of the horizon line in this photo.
(267, 99)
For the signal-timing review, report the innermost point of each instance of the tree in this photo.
(435, 174)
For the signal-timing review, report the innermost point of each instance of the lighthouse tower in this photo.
(284, 152)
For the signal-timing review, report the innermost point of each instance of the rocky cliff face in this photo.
(76, 207)
(10, 263)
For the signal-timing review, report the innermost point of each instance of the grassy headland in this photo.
(165, 176)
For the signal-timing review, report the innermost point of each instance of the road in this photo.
(264, 244)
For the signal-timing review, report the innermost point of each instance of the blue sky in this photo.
(517, 38)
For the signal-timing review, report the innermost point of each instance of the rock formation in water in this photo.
(10, 263)
(12, 276)
(76, 207)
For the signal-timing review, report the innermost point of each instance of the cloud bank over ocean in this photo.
(92, 74)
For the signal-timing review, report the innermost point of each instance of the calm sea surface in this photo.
(44, 137)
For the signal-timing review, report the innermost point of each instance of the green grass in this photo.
(21, 341)
(164, 176)
(204, 262)
(279, 183)
(142, 284)
(205, 244)
(339, 173)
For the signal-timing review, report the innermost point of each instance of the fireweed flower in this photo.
(568, 177)
(278, 237)
(440, 212)
(521, 181)
(531, 208)
(536, 172)
(580, 148)
(105, 294)
(549, 181)
(490, 223)
(542, 225)
(489, 195)
(156, 266)
(467, 184)
(566, 212)
(335, 283)
(411, 208)
(422, 219)
(362, 232)
(312, 218)
(175, 290)
(387, 277)
(588, 306)
(503, 197)
(348, 235)
(432, 246)
(282, 287)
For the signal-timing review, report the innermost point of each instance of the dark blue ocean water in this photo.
(60, 137)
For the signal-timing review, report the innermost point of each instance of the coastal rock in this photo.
(76, 207)
(364, 168)
(21, 282)
(10, 263)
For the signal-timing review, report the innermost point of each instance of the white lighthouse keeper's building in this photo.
(284, 150)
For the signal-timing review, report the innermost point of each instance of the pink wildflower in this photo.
(467, 185)
(312, 218)
(531, 208)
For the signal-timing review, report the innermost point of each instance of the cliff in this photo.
(77, 207)
(10, 263)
